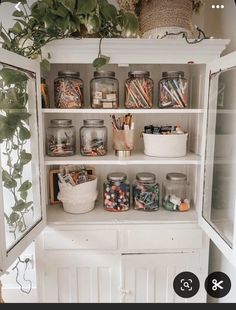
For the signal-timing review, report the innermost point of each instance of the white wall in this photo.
(221, 23)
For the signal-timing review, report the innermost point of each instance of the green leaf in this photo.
(86, 6)
(60, 11)
(24, 195)
(6, 176)
(16, 29)
(45, 64)
(25, 186)
(69, 5)
(20, 206)
(14, 217)
(18, 13)
(25, 158)
(6, 40)
(92, 24)
(24, 133)
(109, 12)
(10, 184)
(11, 76)
(130, 24)
(100, 61)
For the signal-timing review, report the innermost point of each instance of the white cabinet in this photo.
(106, 246)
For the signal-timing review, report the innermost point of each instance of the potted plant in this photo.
(157, 17)
(48, 20)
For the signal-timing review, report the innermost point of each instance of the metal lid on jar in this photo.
(68, 73)
(139, 73)
(173, 176)
(61, 122)
(145, 177)
(117, 176)
(104, 74)
(93, 122)
(173, 74)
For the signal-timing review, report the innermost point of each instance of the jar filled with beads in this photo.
(116, 192)
(176, 192)
(146, 192)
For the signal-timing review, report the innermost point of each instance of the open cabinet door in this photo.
(22, 207)
(218, 213)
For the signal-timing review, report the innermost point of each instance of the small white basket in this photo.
(173, 145)
(79, 198)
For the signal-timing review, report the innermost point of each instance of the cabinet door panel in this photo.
(21, 215)
(148, 278)
(80, 278)
(219, 195)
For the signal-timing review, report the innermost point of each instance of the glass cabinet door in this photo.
(219, 199)
(20, 194)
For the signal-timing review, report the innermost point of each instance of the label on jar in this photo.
(107, 104)
(97, 95)
(96, 101)
(111, 97)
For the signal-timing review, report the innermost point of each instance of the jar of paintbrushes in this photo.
(173, 90)
(139, 90)
(123, 135)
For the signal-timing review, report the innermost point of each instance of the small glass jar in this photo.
(93, 138)
(146, 192)
(61, 138)
(68, 90)
(104, 90)
(176, 192)
(116, 192)
(173, 90)
(139, 90)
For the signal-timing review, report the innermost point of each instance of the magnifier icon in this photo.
(186, 284)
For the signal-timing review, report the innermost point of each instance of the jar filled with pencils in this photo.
(139, 90)
(173, 90)
(123, 135)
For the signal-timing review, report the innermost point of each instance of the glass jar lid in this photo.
(61, 122)
(139, 73)
(116, 176)
(93, 122)
(68, 73)
(174, 176)
(104, 74)
(145, 177)
(173, 74)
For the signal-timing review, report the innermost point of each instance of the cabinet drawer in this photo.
(83, 240)
(164, 239)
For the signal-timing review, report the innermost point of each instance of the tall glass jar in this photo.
(93, 138)
(176, 192)
(61, 138)
(139, 90)
(104, 90)
(146, 192)
(68, 90)
(173, 90)
(116, 192)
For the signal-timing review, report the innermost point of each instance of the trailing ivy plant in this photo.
(48, 20)
(14, 136)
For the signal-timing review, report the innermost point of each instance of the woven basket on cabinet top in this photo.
(159, 16)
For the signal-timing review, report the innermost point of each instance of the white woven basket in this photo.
(80, 198)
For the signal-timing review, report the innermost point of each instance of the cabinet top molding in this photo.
(134, 51)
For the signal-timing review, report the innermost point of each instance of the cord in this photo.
(26, 262)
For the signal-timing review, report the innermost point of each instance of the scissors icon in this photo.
(217, 285)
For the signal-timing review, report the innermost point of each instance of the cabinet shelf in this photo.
(111, 159)
(123, 111)
(56, 215)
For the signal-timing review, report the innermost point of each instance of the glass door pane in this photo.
(220, 169)
(19, 153)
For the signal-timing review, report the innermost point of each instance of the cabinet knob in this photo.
(125, 291)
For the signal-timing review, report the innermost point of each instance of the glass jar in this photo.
(139, 90)
(68, 90)
(104, 90)
(93, 138)
(176, 192)
(173, 90)
(61, 138)
(116, 192)
(146, 192)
